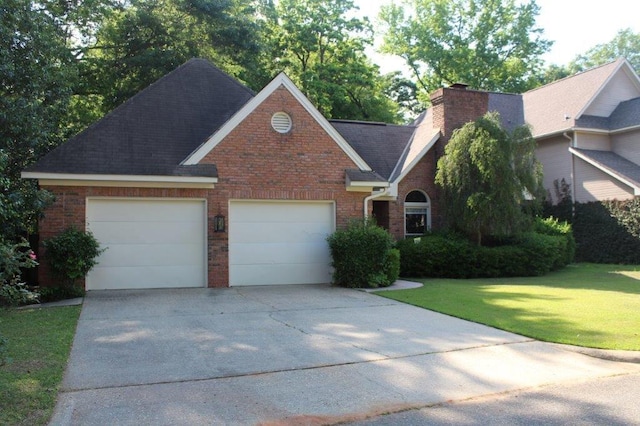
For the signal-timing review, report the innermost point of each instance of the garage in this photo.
(274, 243)
(151, 243)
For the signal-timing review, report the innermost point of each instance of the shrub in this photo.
(453, 256)
(52, 294)
(72, 254)
(608, 231)
(363, 256)
(15, 257)
(552, 226)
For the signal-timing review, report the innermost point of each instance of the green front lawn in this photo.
(584, 304)
(39, 341)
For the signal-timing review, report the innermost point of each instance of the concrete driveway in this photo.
(288, 355)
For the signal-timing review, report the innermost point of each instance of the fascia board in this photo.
(118, 178)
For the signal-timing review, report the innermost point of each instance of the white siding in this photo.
(592, 184)
(620, 88)
(627, 145)
(598, 142)
(555, 158)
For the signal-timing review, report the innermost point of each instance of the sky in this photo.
(575, 26)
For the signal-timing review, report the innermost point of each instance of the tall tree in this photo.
(625, 44)
(488, 44)
(486, 174)
(36, 78)
(145, 39)
(322, 50)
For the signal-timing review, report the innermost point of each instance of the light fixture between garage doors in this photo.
(218, 223)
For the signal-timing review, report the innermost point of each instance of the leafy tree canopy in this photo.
(486, 174)
(488, 44)
(36, 78)
(322, 50)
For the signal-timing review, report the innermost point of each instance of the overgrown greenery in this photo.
(487, 174)
(363, 256)
(583, 304)
(72, 254)
(14, 257)
(37, 349)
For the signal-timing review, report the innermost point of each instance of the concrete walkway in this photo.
(289, 355)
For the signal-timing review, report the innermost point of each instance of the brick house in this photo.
(198, 182)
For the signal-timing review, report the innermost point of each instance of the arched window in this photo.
(417, 213)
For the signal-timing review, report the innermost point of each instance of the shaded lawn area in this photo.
(39, 342)
(588, 305)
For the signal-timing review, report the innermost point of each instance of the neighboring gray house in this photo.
(588, 131)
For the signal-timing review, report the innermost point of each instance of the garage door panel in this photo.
(279, 253)
(273, 212)
(151, 243)
(151, 255)
(279, 242)
(143, 277)
(147, 232)
(114, 210)
(295, 232)
(281, 274)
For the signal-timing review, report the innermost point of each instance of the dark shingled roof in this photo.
(614, 163)
(380, 145)
(510, 108)
(154, 131)
(626, 114)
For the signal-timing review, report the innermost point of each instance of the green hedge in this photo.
(608, 231)
(604, 231)
(447, 255)
(363, 256)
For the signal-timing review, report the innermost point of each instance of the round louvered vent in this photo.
(281, 122)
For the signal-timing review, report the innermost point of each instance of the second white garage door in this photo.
(279, 242)
(151, 243)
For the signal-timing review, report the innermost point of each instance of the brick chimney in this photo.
(455, 106)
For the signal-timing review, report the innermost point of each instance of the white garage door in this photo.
(279, 242)
(150, 243)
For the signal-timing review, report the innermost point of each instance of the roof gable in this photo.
(249, 107)
(622, 85)
(152, 132)
(554, 107)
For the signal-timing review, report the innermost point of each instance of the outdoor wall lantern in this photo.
(218, 223)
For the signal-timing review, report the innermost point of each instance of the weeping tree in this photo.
(487, 174)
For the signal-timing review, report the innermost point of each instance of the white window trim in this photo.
(426, 205)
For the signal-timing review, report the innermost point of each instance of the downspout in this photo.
(573, 176)
(380, 193)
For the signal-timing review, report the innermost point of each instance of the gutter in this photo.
(373, 196)
(573, 172)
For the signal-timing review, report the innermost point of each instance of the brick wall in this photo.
(254, 162)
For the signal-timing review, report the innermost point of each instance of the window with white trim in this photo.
(417, 213)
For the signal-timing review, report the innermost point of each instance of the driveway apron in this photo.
(288, 355)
